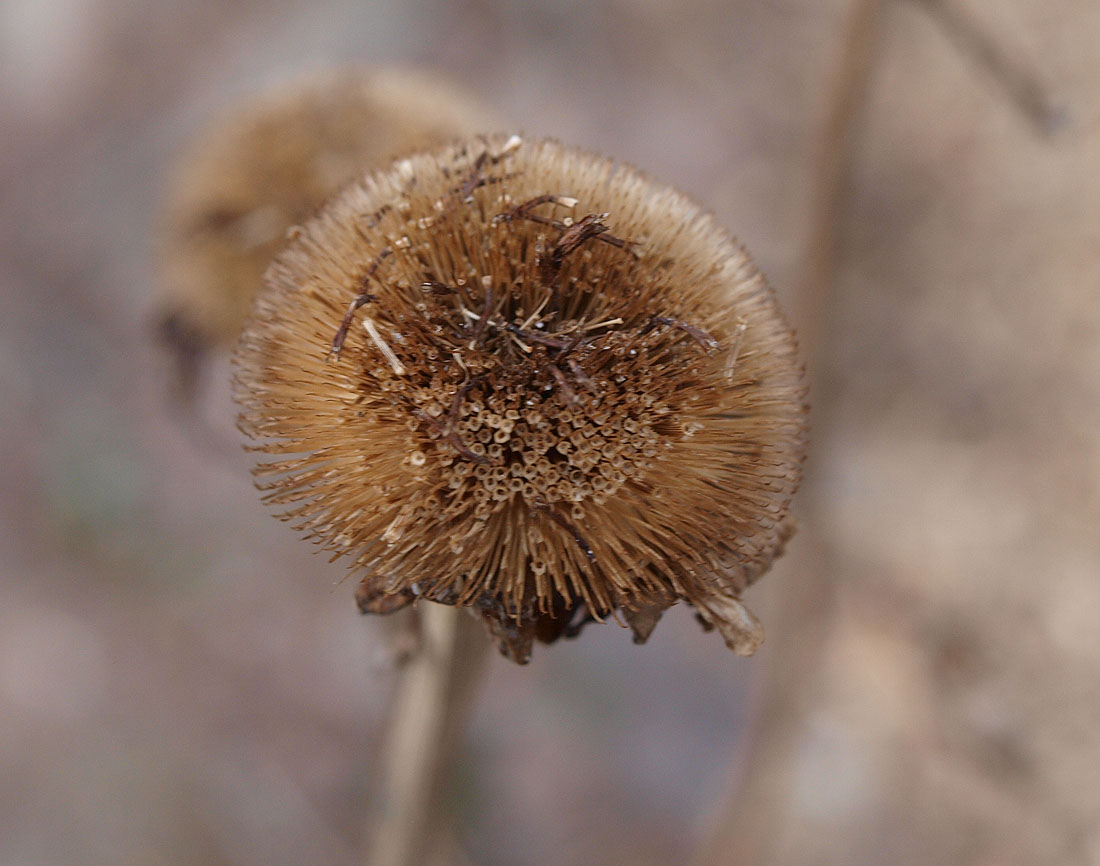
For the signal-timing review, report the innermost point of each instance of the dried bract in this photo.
(520, 378)
(267, 166)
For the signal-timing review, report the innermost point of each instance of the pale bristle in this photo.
(574, 393)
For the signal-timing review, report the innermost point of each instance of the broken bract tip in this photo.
(520, 378)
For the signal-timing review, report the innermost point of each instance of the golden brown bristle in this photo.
(521, 378)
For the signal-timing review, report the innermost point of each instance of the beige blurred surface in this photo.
(180, 680)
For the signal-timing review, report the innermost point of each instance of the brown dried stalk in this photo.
(433, 696)
(749, 825)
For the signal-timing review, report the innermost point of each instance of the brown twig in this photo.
(1018, 82)
(749, 826)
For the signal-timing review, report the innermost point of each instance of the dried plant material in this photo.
(267, 166)
(738, 625)
(575, 396)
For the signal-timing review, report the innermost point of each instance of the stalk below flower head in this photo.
(520, 378)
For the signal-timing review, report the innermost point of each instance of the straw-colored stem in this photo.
(430, 704)
(845, 106)
(1018, 82)
(749, 828)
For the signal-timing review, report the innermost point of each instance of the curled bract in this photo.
(520, 378)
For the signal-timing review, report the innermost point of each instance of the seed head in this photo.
(267, 166)
(520, 378)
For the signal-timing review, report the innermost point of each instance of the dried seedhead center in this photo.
(516, 377)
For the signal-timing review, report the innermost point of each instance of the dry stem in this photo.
(432, 698)
(1019, 83)
(750, 825)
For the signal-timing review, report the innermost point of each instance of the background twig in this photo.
(748, 830)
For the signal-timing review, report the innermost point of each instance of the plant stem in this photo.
(750, 824)
(1018, 82)
(433, 695)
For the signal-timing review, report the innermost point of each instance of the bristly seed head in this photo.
(523, 379)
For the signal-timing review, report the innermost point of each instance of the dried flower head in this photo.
(520, 378)
(268, 165)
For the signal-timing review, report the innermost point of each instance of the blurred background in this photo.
(182, 681)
